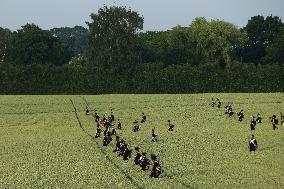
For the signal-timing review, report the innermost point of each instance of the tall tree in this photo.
(275, 51)
(5, 39)
(33, 45)
(74, 38)
(215, 40)
(112, 40)
(260, 32)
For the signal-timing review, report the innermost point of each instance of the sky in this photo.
(158, 14)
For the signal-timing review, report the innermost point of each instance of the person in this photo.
(107, 139)
(156, 169)
(259, 118)
(105, 117)
(136, 126)
(274, 122)
(218, 103)
(241, 115)
(252, 144)
(212, 102)
(107, 124)
(119, 125)
(137, 156)
(252, 123)
(117, 144)
(126, 153)
(143, 118)
(97, 117)
(144, 162)
(170, 127)
(112, 115)
(98, 132)
(154, 136)
(113, 131)
(87, 110)
(229, 110)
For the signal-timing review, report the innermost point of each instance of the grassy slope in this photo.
(42, 144)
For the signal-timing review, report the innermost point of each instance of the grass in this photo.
(45, 143)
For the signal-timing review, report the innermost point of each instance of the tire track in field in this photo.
(165, 172)
(132, 181)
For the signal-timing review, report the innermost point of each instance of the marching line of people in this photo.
(121, 147)
(253, 121)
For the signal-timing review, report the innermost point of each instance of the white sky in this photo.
(158, 14)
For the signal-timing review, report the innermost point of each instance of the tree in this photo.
(261, 33)
(74, 38)
(154, 45)
(275, 51)
(112, 40)
(5, 41)
(33, 45)
(215, 40)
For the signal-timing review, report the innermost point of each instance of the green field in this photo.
(45, 143)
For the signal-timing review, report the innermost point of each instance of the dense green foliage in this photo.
(74, 38)
(261, 33)
(112, 41)
(32, 45)
(147, 78)
(42, 144)
(114, 56)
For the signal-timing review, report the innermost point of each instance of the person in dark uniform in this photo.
(252, 123)
(136, 126)
(218, 103)
(119, 125)
(137, 156)
(252, 144)
(97, 117)
(107, 139)
(274, 122)
(170, 127)
(212, 102)
(144, 161)
(113, 131)
(259, 118)
(87, 110)
(117, 144)
(112, 115)
(126, 153)
(241, 115)
(156, 169)
(98, 132)
(143, 118)
(154, 136)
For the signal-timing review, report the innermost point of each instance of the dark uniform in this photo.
(143, 118)
(136, 126)
(156, 169)
(154, 136)
(98, 132)
(87, 110)
(252, 144)
(212, 102)
(119, 125)
(218, 103)
(252, 124)
(137, 157)
(259, 118)
(241, 115)
(170, 127)
(274, 122)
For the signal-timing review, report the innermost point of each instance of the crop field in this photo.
(48, 142)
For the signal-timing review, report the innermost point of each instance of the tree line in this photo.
(114, 55)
